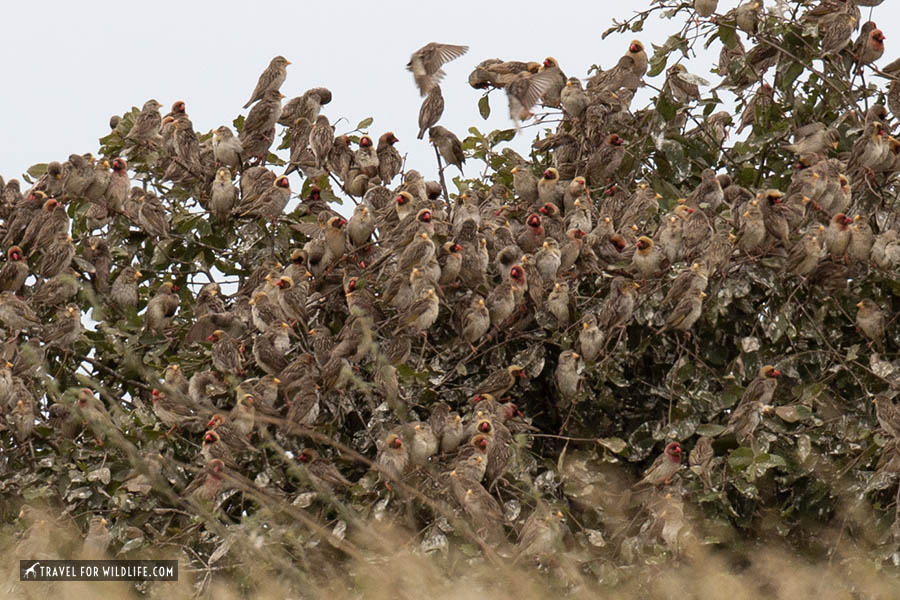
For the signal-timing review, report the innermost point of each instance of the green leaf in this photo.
(37, 170)
(502, 136)
(728, 36)
(484, 107)
(657, 64)
(792, 414)
(710, 429)
(365, 123)
(740, 458)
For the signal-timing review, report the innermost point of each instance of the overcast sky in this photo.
(74, 63)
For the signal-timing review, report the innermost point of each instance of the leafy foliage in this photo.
(817, 475)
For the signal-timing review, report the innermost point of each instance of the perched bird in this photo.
(145, 130)
(431, 110)
(227, 149)
(162, 307)
(258, 132)
(664, 467)
(97, 539)
(14, 271)
(448, 145)
(604, 163)
(542, 533)
(639, 56)
(837, 34)
(16, 314)
(173, 412)
(426, 62)
(321, 138)
(66, 330)
(223, 195)
(590, 339)
(680, 84)
(870, 321)
(476, 321)
(837, 236)
(573, 98)
(226, 352)
(647, 258)
(685, 314)
(447, 426)
(861, 240)
(204, 490)
(270, 203)
(270, 79)
(806, 254)
(389, 159)
(393, 457)
(888, 415)
(321, 472)
(701, 456)
(567, 378)
(870, 46)
(500, 382)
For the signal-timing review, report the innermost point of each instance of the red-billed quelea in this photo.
(227, 149)
(389, 160)
(426, 62)
(525, 91)
(14, 272)
(431, 110)
(685, 313)
(270, 79)
(870, 321)
(448, 145)
(664, 467)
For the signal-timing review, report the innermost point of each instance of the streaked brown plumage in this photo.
(425, 64)
(431, 110)
(270, 79)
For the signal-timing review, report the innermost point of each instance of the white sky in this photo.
(76, 63)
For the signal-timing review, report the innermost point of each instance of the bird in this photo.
(500, 382)
(760, 391)
(426, 62)
(162, 307)
(573, 98)
(870, 321)
(15, 270)
(389, 160)
(321, 138)
(647, 259)
(543, 532)
(17, 314)
(448, 145)
(270, 79)
(525, 91)
(227, 149)
(888, 415)
(204, 490)
(393, 457)
(321, 472)
(223, 195)
(567, 378)
(431, 110)
(664, 467)
(685, 313)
